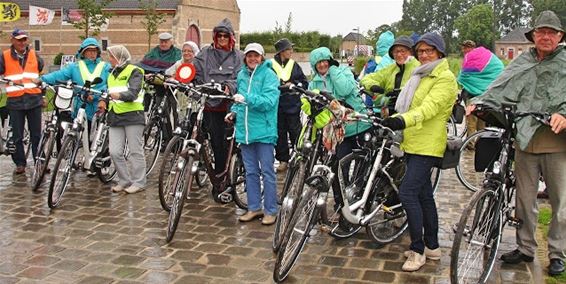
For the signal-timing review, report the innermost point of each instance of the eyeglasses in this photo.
(187, 51)
(546, 32)
(400, 51)
(223, 35)
(428, 51)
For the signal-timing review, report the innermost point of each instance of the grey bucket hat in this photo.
(402, 41)
(546, 19)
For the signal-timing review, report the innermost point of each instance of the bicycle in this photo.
(74, 139)
(478, 233)
(160, 121)
(192, 150)
(7, 146)
(308, 151)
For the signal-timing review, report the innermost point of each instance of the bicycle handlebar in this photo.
(370, 118)
(72, 85)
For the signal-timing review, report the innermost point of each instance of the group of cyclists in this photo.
(411, 89)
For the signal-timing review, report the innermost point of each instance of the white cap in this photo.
(165, 36)
(254, 47)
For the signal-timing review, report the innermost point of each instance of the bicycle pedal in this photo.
(515, 222)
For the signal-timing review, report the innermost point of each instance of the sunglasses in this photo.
(223, 35)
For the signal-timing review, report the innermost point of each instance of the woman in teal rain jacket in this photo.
(255, 111)
(89, 65)
(338, 80)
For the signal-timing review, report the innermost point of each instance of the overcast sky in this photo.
(328, 17)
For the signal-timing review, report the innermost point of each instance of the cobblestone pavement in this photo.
(101, 237)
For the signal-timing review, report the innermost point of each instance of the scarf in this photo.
(406, 96)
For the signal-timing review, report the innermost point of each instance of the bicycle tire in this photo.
(296, 235)
(478, 231)
(108, 172)
(60, 178)
(294, 181)
(451, 128)
(435, 176)
(201, 176)
(168, 171)
(465, 171)
(182, 185)
(152, 140)
(238, 182)
(387, 225)
(41, 163)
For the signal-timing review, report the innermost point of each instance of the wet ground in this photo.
(101, 237)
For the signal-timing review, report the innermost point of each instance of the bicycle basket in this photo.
(487, 150)
(63, 98)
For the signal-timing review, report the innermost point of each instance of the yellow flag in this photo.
(9, 12)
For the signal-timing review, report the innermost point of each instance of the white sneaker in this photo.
(414, 262)
(118, 188)
(133, 189)
(432, 254)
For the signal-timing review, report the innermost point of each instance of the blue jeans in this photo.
(416, 195)
(17, 121)
(259, 159)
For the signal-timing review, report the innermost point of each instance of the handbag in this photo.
(452, 154)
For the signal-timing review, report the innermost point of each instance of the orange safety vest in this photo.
(14, 72)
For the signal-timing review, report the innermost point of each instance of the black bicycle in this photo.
(478, 233)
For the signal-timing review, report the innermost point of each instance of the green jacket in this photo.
(536, 86)
(425, 132)
(339, 81)
(385, 78)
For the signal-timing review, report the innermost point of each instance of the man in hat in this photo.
(22, 65)
(288, 117)
(536, 81)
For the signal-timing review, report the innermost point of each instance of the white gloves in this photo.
(239, 98)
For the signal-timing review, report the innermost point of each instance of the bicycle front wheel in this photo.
(297, 233)
(168, 172)
(105, 169)
(152, 140)
(42, 159)
(181, 187)
(294, 181)
(477, 239)
(62, 170)
(238, 182)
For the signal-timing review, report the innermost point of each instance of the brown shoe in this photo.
(268, 220)
(20, 170)
(250, 215)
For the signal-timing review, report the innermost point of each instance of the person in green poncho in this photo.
(536, 81)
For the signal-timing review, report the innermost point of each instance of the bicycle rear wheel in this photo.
(105, 169)
(296, 234)
(152, 140)
(465, 170)
(477, 239)
(294, 181)
(62, 170)
(42, 160)
(181, 187)
(168, 172)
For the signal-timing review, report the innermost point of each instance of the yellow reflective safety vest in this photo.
(120, 84)
(283, 73)
(86, 75)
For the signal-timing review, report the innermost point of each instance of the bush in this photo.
(359, 64)
(57, 59)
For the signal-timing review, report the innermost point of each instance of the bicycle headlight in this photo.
(496, 167)
(367, 137)
(308, 145)
(177, 130)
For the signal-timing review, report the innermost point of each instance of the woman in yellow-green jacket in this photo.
(423, 108)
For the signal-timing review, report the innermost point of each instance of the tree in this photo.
(373, 35)
(93, 17)
(152, 19)
(477, 25)
(557, 6)
(289, 23)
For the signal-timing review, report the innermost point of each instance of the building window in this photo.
(104, 43)
(519, 51)
(502, 51)
(37, 44)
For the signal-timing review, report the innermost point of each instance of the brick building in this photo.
(513, 44)
(185, 19)
(349, 43)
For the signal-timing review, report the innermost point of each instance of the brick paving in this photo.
(101, 237)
